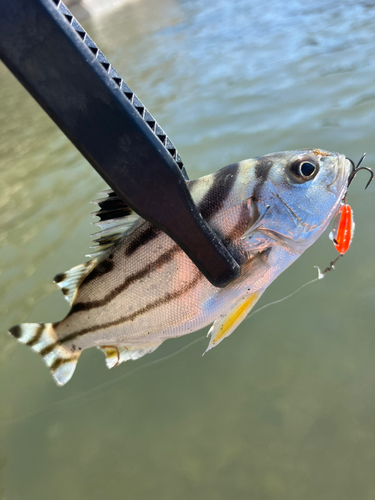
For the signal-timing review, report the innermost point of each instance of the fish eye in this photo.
(303, 170)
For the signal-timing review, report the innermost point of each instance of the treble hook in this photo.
(357, 168)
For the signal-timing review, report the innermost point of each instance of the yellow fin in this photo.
(115, 355)
(112, 355)
(226, 324)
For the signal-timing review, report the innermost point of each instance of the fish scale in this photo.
(140, 288)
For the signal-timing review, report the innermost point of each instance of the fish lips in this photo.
(339, 184)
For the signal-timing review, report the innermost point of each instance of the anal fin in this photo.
(114, 355)
(227, 323)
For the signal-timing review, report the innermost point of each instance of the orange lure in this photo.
(343, 229)
(343, 226)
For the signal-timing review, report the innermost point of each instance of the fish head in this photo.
(298, 193)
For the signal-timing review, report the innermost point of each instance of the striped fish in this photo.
(139, 288)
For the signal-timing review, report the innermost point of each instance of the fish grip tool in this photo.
(62, 68)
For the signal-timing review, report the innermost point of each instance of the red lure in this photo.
(343, 229)
(343, 225)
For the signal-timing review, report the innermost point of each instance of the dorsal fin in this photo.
(116, 221)
(70, 281)
(111, 207)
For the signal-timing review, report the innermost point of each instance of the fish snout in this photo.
(343, 169)
(346, 167)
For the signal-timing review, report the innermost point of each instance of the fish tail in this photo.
(42, 338)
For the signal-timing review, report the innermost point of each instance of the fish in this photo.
(139, 288)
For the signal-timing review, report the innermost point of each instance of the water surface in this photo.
(285, 408)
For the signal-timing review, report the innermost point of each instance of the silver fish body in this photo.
(140, 288)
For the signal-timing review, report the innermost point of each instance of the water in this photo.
(284, 409)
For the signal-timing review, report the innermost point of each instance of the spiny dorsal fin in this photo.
(116, 221)
(70, 281)
(111, 207)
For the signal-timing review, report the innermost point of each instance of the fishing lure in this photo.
(343, 229)
(343, 226)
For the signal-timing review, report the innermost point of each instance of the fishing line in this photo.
(94, 391)
(97, 391)
(320, 276)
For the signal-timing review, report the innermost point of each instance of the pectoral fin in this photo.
(226, 324)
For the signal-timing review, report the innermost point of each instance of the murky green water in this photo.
(284, 409)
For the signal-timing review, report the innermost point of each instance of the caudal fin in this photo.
(42, 338)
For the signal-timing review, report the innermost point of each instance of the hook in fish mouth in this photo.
(357, 168)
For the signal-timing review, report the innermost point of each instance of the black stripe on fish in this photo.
(145, 237)
(104, 267)
(169, 296)
(219, 192)
(243, 223)
(223, 180)
(163, 259)
(60, 361)
(101, 269)
(38, 333)
(209, 205)
(130, 317)
(232, 239)
(262, 169)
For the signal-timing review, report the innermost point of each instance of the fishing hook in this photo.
(357, 168)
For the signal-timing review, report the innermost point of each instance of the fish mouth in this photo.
(347, 168)
(344, 168)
